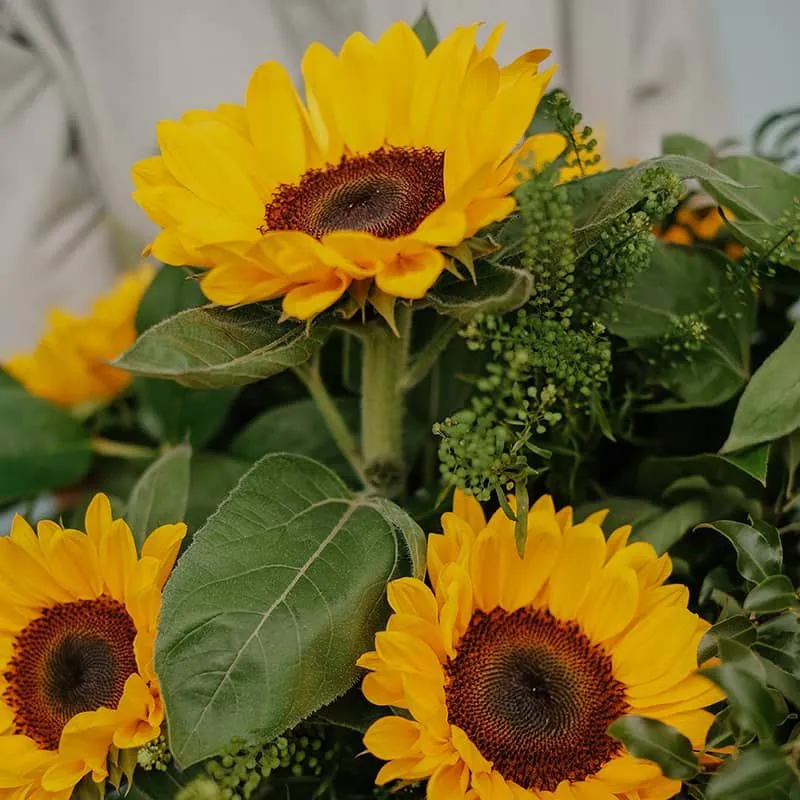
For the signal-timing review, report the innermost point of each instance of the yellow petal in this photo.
(693, 692)
(453, 545)
(406, 653)
(626, 772)
(384, 688)
(152, 171)
(469, 509)
(307, 300)
(163, 544)
(427, 632)
(233, 284)
(581, 559)
(456, 598)
(469, 753)
(116, 550)
(412, 596)
(618, 538)
(320, 72)
(610, 604)
(392, 737)
(411, 273)
(448, 783)
(399, 768)
(277, 126)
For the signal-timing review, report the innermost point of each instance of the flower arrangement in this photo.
(416, 287)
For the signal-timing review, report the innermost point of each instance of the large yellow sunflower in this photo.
(511, 669)
(392, 156)
(69, 365)
(77, 628)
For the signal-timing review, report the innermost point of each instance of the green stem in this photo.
(384, 358)
(113, 449)
(346, 442)
(424, 360)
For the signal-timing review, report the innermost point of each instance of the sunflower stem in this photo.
(425, 359)
(310, 376)
(114, 449)
(384, 358)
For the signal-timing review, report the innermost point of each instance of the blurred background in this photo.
(84, 82)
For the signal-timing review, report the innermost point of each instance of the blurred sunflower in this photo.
(69, 364)
(77, 629)
(700, 224)
(394, 155)
(512, 668)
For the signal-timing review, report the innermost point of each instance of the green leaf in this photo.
(352, 710)
(754, 461)
(621, 511)
(299, 428)
(774, 593)
(761, 236)
(752, 706)
(733, 629)
(173, 289)
(161, 494)
(41, 446)
(426, 31)
(769, 408)
(277, 596)
(684, 145)
(213, 476)
(652, 739)
(762, 190)
(758, 547)
(753, 774)
(212, 347)
(682, 281)
(620, 190)
(157, 785)
(664, 530)
(170, 412)
(497, 289)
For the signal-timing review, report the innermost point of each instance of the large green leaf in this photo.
(496, 289)
(680, 282)
(617, 191)
(299, 428)
(774, 593)
(659, 742)
(212, 476)
(757, 773)
(212, 347)
(161, 494)
(758, 548)
(273, 602)
(665, 529)
(737, 629)
(172, 290)
(41, 446)
(769, 408)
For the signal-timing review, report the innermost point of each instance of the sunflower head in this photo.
(69, 364)
(77, 631)
(511, 668)
(390, 155)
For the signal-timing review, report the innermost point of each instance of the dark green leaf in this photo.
(664, 530)
(742, 657)
(762, 237)
(351, 710)
(754, 461)
(659, 742)
(161, 494)
(682, 144)
(212, 347)
(273, 602)
(786, 683)
(754, 774)
(496, 289)
(764, 191)
(682, 281)
(736, 629)
(621, 511)
(770, 405)
(299, 428)
(758, 548)
(426, 31)
(41, 446)
(622, 189)
(157, 785)
(774, 593)
(213, 476)
(172, 290)
(170, 412)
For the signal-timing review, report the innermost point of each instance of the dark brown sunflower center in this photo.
(535, 696)
(73, 657)
(387, 193)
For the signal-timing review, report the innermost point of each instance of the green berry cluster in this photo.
(239, 772)
(686, 336)
(541, 374)
(581, 144)
(154, 755)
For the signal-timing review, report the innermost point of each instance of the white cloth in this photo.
(83, 83)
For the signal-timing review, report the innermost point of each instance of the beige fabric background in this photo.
(83, 83)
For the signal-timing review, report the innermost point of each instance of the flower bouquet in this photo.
(476, 478)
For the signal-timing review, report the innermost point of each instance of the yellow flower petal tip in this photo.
(69, 365)
(79, 619)
(392, 155)
(512, 667)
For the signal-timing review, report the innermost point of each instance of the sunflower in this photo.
(512, 668)
(701, 224)
(77, 628)
(68, 366)
(393, 156)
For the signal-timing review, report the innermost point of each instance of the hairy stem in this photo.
(114, 449)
